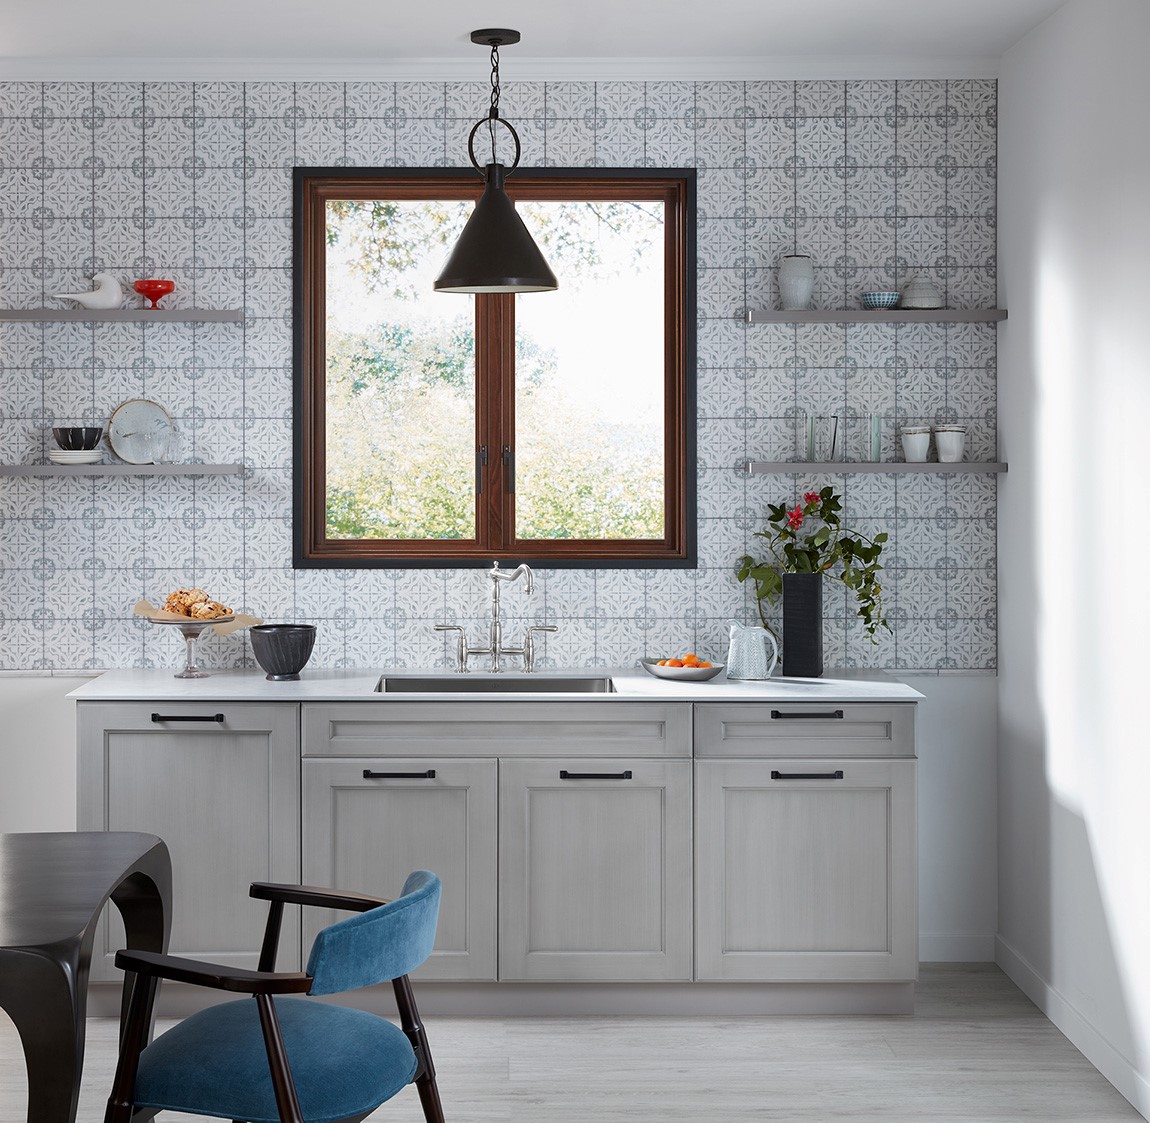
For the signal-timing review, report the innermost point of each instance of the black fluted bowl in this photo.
(78, 438)
(282, 649)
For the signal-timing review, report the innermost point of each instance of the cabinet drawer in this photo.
(812, 729)
(465, 729)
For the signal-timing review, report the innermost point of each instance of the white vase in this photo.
(796, 282)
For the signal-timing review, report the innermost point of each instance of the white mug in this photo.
(950, 444)
(915, 445)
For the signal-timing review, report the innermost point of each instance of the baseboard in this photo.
(969, 948)
(506, 1000)
(1083, 1034)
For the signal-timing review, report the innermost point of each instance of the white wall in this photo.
(1074, 773)
(956, 732)
(37, 753)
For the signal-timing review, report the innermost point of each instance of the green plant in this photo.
(809, 538)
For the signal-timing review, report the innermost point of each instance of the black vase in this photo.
(282, 649)
(802, 625)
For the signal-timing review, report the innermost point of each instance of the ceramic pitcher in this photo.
(752, 654)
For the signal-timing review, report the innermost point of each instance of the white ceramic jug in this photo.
(753, 653)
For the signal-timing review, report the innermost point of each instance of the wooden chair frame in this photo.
(144, 970)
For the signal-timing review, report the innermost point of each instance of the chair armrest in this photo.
(310, 895)
(212, 975)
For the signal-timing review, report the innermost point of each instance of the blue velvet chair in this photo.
(287, 1060)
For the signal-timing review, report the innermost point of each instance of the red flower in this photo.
(796, 518)
(812, 497)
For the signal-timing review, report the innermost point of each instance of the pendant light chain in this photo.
(493, 114)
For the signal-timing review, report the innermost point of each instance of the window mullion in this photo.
(494, 383)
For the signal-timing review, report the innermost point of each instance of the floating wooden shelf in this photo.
(775, 467)
(877, 316)
(125, 315)
(121, 469)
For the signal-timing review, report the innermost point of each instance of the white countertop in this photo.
(631, 685)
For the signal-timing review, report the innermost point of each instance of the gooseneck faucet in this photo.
(495, 649)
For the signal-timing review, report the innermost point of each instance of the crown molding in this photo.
(465, 68)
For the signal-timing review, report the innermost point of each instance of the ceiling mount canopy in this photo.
(495, 252)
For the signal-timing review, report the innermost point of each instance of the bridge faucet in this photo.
(495, 649)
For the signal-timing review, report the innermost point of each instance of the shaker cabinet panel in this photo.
(368, 832)
(496, 729)
(813, 729)
(595, 876)
(805, 873)
(224, 796)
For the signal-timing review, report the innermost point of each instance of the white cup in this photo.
(915, 445)
(950, 444)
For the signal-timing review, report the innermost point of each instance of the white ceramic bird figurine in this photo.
(106, 294)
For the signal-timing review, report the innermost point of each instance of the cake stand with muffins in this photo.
(191, 630)
(192, 611)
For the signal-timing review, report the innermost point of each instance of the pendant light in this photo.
(495, 251)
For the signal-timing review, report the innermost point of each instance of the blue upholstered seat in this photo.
(343, 1062)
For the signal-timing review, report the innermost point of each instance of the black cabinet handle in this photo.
(219, 718)
(799, 715)
(428, 775)
(565, 775)
(837, 775)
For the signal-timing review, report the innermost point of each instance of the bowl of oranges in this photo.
(685, 668)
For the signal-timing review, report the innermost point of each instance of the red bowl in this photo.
(153, 288)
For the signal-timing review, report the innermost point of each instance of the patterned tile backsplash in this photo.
(878, 180)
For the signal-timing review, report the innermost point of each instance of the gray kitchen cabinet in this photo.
(805, 870)
(617, 888)
(595, 869)
(219, 783)
(368, 823)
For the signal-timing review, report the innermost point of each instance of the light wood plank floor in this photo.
(975, 1049)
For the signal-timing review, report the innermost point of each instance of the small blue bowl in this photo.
(874, 300)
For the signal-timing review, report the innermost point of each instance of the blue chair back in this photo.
(379, 945)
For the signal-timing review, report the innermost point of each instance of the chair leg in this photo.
(425, 1074)
(137, 1026)
(287, 1102)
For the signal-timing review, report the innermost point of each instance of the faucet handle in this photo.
(529, 644)
(460, 644)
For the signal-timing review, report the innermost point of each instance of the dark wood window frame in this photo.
(495, 399)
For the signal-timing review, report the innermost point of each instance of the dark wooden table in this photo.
(52, 889)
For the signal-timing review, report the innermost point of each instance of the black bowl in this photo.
(282, 649)
(78, 438)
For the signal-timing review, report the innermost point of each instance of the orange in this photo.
(674, 663)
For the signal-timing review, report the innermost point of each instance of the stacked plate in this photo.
(80, 456)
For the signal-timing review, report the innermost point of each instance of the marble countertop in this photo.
(631, 685)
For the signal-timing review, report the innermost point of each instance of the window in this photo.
(439, 428)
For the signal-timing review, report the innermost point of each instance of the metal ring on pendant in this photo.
(471, 144)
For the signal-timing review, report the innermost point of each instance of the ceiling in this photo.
(663, 37)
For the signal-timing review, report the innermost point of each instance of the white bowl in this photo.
(683, 674)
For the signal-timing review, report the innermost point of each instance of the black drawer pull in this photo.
(428, 775)
(802, 716)
(565, 775)
(838, 775)
(189, 717)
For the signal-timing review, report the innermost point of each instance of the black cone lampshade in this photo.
(495, 251)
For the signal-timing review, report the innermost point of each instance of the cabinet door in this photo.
(224, 796)
(368, 832)
(595, 875)
(805, 879)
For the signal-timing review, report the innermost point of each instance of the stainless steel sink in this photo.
(495, 684)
